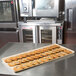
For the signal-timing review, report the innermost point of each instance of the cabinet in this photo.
(8, 35)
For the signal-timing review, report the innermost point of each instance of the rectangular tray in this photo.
(57, 59)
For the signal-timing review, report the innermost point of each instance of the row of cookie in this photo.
(31, 58)
(14, 58)
(67, 51)
(10, 59)
(38, 61)
(64, 50)
(39, 55)
(24, 60)
(54, 46)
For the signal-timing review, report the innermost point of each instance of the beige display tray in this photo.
(57, 59)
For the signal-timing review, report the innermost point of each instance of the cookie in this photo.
(36, 56)
(24, 60)
(40, 61)
(18, 62)
(19, 56)
(37, 51)
(35, 62)
(13, 58)
(24, 66)
(49, 58)
(23, 55)
(64, 53)
(29, 64)
(7, 60)
(67, 51)
(45, 49)
(18, 68)
(61, 49)
(33, 57)
(58, 54)
(45, 59)
(29, 58)
(12, 64)
(32, 53)
(42, 51)
(46, 53)
(40, 56)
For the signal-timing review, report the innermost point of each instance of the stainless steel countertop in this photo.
(63, 67)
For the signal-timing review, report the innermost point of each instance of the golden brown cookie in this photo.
(45, 59)
(56, 50)
(23, 55)
(7, 60)
(36, 56)
(67, 51)
(40, 56)
(46, 53)
(19, 56)
(13, 58)
(58, 54)
(33, 57)
(32, 53)
(54, 47)
(18, 68)
(37, 51)
(40, 61)
(18, 62)
(53, 51)
(53, 56)
(29, 58)
(24, 66)
(12, 64)
(43, 54)
(61, 54)
(64, 53)
(49, 52)
(41, 51)
(50, 49)
(24, 60)
(35, 62)
(45, 49)
(49, 58)
(29, 64)
(61, 49)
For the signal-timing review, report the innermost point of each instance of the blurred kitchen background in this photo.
(38, 21)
